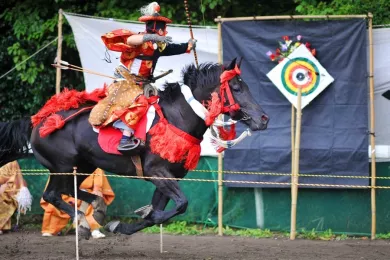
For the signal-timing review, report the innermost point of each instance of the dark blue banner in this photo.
(334, 136)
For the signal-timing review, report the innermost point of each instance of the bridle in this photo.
(229, 105)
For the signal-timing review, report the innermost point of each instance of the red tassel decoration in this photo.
(214, 107)
(193, 158)
(66, 100)
(51, 124)
(174, 145)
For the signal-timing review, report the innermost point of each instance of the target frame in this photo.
(319, 75)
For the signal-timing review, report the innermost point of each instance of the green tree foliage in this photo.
(380, 8)
(28, 25)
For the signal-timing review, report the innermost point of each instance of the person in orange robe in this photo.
(55, 220)
(13, 194)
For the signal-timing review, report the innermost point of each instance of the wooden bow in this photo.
(191, 33)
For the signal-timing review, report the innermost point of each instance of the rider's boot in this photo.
(129, 143)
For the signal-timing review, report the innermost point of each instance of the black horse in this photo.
(76, 145)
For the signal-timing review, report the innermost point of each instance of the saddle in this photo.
(109, 138)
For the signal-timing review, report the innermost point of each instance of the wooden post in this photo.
(59, 52)
(372, 129)
(220, 162)
(292, 152)
(286, 17)
(75, 220)
(295, 167)
(292, 140)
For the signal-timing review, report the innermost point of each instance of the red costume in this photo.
(140, 61)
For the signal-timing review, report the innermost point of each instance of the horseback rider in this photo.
(125, 103)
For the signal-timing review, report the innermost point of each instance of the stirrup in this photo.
(150, 90)
(131, 144)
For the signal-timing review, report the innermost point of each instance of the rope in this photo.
(44, 47)
(31, 172)
(224, 181)
(381, 26)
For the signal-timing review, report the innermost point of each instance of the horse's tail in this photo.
(14, 140)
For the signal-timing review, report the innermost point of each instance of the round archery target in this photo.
(300, 73)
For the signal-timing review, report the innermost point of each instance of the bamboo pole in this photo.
(295, 176)
(372, 129)
(292, 149)
(286, 17)
(220, 162)
(292, 141)
(59, 52)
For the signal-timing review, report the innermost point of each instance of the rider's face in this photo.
(157, 27)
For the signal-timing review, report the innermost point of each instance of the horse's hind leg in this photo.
(159, 202)
(53, 196)
(98, 204)
(55, 199)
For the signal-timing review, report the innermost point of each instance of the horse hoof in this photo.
(99, 217)
(144, 211)
(111, 226)
(84, 233)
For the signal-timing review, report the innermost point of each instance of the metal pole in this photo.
(220, 162)
(75, 212)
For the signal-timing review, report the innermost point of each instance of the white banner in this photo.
(88, 31)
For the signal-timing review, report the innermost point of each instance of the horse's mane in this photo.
(207, 76)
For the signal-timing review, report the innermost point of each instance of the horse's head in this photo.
(238, 101)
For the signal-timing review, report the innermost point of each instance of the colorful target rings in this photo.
(300, 73)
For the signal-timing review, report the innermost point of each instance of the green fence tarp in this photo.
(342, 210)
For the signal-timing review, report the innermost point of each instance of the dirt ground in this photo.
(30, 245)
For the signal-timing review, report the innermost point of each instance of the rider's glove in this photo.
(192, 44)
(157, 38)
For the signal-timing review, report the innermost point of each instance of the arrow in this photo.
(64, 65)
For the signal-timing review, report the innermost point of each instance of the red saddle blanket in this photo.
(109, 136)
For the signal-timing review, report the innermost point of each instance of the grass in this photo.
(185, 228)
(383, 236)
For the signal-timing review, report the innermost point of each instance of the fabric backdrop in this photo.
(87, 32)
(334, 137)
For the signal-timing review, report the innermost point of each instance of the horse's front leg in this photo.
(171, 189)
(159, 202)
